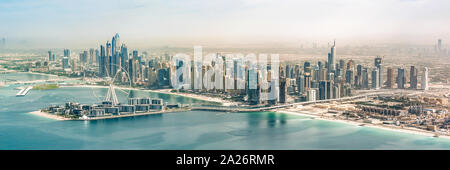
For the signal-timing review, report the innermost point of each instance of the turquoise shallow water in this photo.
(185, 130)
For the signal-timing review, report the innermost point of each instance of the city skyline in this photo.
(156, 23)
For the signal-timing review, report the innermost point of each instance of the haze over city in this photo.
(81, 24)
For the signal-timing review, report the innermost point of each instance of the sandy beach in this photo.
(47, 115)
(396, 129)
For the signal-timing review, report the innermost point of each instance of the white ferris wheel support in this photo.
(111, 94)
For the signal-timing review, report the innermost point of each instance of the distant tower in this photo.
(379, 65)
(49, 55)
(283, 90)
(102, 61)
(401, 78)
(115, 44)
(322, 90)
(350, 65)
(375, 78)
(425, 78)
(92, 58)
(67, 53)
(413, 77)
(390, 78)
(365, 78)
(123, 55)
(439, 45)
(109, 60)
(115, 57)
(311, 95)
(332, 58)
(349, 77)
(341, 64)
(65, 63)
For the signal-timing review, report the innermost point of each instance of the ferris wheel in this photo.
(110, 80)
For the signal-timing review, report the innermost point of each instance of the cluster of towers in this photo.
(320, 82)
(413, 78)
(325, 80)
(114, 58)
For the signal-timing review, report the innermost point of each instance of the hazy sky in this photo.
(59, 23)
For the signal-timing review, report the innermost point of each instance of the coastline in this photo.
(48, 115)
(56, 117)
(349, 122)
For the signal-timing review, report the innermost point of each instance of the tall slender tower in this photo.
(115, 57)
(379, 65)
(49, 55)
(375, 78)
(390, 78)
(332, 58)
(67, 53)
(425, 78)
(108, 59)
(401, 78)
(413, 77)
(102, 61)
(92, 58)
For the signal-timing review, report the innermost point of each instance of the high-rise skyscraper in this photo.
(91, 56)
(390, 78)
(115, 44)
(115, 57)
(97, 57)
(288, 71)
(123, 56)
(65, 63)
(67, 53)
(349, 77)
(350, 65)
(283, 90)
(332, 58)
(365, 78)
(424, 83)
(307, 67)
(379, 65)
(300, 80)
(358, 77)
(323, 90)
(84, 57)
(375, 78)
(401, 78)
(102, 61)
(413, 77)
(341, 64)
(330, 90)
(50, 56)
(311, 95)
(108, 59)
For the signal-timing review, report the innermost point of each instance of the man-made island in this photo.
(108, 109)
